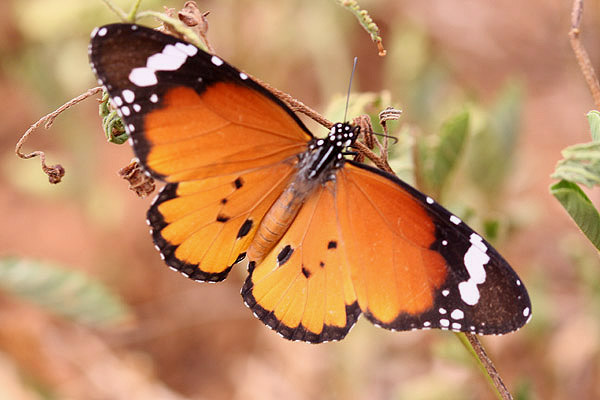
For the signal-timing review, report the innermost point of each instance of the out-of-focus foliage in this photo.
(581, 165)
(65, 292)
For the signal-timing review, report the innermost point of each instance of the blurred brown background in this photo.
(187, 340)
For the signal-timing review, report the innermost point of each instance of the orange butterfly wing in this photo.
(303, 288)
(428, 269)
(362, 241)
(225, 144)
(203, 227)
(388, 251)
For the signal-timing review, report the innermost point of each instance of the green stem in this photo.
(120, 13)
(134, 8)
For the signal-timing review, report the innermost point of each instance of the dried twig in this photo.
(473, 344)
(191, 16)
(141, 183)
(581, 54)
(54, 172)
(389, 114)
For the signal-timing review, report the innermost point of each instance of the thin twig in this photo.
(54, 172)
(295, 104)
(486, 363)
(379, 163)
(581, 54)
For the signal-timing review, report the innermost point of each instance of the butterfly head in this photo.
(327, 154)
(343, 135)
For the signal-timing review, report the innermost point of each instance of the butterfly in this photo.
(326, 238)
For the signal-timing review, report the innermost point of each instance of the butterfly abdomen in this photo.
(280, 216)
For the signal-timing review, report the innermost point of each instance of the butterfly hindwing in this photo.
(203, 227)
(303, 289)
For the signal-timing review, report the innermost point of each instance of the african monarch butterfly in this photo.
(246, 179)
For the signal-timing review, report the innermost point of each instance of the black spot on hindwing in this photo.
(244, 229)
(222, 218)
(332, 244)
(284, 255)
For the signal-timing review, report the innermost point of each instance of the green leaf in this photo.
(580, 208)
(449, 150)
(581, 164)
(491, 229)
(67, 293)
(594, 121)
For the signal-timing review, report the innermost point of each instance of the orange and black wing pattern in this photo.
(304, 289)
(327, 239)
(225, 145)
(422, 267)
(368, 243)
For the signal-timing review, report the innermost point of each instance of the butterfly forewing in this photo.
(190, 115)
(423, 267)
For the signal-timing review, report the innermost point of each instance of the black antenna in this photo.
(350, 87)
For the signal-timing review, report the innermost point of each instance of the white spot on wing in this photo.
(455, 220)
(457, 314)
(217, 61)
(444, 322)
(445, 292)
(243, 76)
(143, 77)
(526, 312)
(187, 48)
(429, 200)
(475, 258)
(94, 32)
(102, 31)
(118, 101)
(154, 98)
(128, 95)
(171, 58)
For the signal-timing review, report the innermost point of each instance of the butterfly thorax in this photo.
(316, 166)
